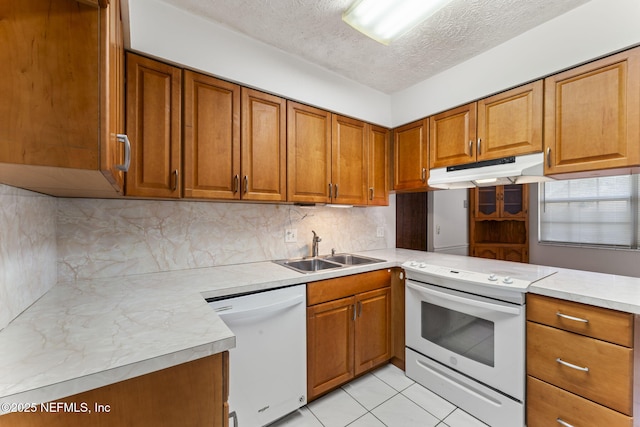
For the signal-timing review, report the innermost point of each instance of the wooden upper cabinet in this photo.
(211, 137)
(308, 153)
(264, 147)
(154, 128)
(57, 133)
(592, 115)
(453, 136)
(349, 160)
(506, 124)
(378, 192)
(410, 148)
(510, 123)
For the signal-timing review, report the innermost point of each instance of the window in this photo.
(599, 211)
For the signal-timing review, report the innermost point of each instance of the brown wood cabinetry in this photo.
(348, 328)
(378, 193)
(154, 128)
(592, 116)
(234, 141)
(350, 141)
(580, 364)
(499, 222)
(57, 133)
(191, 394)
(410, 156)
(506, 124)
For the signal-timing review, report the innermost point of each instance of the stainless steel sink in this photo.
(329, 262)
(308, 265)
(349, 259)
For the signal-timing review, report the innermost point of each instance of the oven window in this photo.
(466, 335)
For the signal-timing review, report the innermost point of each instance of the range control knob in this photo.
(413, 263)
(493, 277)
(508, 280)
(423, 265)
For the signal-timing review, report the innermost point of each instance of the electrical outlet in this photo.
(380, 232)
(290, 235)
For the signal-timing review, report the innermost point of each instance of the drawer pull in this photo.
(577, 319)
(563, 423)
(572, 366)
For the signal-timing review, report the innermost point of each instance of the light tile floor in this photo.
(385, 397)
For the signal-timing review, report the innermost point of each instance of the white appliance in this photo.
(465, 335)
(268, 366)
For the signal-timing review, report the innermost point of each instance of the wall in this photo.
(168, 33)
(622, 262)
(27, 249)
(589, 31)
(107, 238)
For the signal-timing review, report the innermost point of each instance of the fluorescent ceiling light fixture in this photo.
(386, 20)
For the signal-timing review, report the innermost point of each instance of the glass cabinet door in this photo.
(513, 200)
(487, 201)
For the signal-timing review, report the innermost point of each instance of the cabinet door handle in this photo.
(354, 312)
(575, 319)
(336, 191)
(424, 175)
(548, 156)
(359, 308)
(246, 184)
(330, 188)
(127, 152)
(479, 150)
(563, 423)
(371, 193)
(572, 366)
(236, 183)
(175, 179)
(470, 148)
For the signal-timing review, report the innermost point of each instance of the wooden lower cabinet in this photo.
(191, 394)
(580, 364)
(348, 329)
(507, 252)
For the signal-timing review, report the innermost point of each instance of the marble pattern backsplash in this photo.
(111, 238)
(27, 249)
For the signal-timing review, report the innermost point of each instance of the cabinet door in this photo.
(510, 123)
(486, 251)
(264, 146)
(112, 113)
(410, 152)
(330, 345)
(153, 126)
(486, 201)
(211, 138)
(378, 193)
(308, 153)
(453, 136)
(592, 115)
(514, 253)
(514, 201)
(349, 160)
(372, 329)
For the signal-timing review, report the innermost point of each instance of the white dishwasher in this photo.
(268, 366)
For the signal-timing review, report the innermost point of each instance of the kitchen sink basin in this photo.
(329, 262)
(309, 265)
(348, 259)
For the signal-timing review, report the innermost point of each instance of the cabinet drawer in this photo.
(340, 287)
(547, 404)
(602, 323)
(608, 380)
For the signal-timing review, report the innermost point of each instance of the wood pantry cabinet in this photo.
(580, 364)
(499, 222)
(154, 127)
(58, 135)
(592, 116)
(191, 394)
(348, 328)
(410, 156)
(506, 124)
(327, 157)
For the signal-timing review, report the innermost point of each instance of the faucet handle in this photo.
(333, 251)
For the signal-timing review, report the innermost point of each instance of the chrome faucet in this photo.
(314, 244)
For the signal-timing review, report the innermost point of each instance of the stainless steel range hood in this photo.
(523, 169)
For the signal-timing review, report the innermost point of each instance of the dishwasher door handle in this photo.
(262, 310)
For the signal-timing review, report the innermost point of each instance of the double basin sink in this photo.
(328, 262)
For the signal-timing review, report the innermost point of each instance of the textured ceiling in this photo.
(314, 30)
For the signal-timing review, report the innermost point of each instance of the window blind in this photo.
(599, 211)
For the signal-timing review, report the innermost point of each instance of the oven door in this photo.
(480, 337)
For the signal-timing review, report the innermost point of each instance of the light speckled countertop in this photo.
(88, 334)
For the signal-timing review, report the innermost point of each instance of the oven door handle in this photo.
(466, 301)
